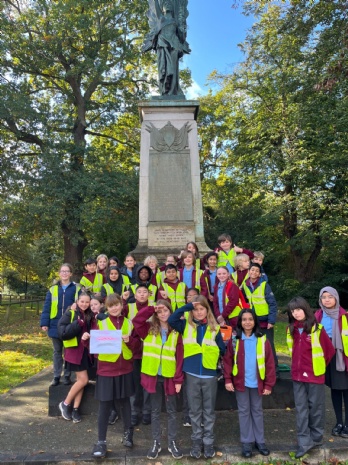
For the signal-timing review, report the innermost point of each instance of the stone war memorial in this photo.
(170, 200)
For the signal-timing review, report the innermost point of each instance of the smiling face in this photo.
(95, 306)
(212, 261)
(163, 313)
(226, 245)
(247, 323)
(190, 295)
(254, 273)
(129, 262)
(188, 261)
(115, 310)
(170, 260)
(65, 275)
(83, 302)
(328, 300)
(114, 275)
(91, 268)
(144, 275)
(171, 275)
(222, 275)
(102, 263)
(199, 312)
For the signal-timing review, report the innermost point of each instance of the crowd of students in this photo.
(182, 322)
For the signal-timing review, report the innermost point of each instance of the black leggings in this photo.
(105, 407)
(336, 397)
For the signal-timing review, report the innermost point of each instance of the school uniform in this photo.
(50, 317)
(194, 280)
(115, 378)
(72, 325)
(201, 381)
(249, 385)
(226, 302)
(210, 279)
(92, 281)
(157, 384)
(132, 275)
(177, 299)
(309, 388)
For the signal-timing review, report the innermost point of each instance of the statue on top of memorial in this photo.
(167, 21)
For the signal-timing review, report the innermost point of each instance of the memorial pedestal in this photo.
(170, 198)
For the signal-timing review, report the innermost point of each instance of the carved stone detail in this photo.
(168, 138)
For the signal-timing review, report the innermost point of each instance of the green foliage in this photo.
(274, 145)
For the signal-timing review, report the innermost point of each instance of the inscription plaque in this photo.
(170, 236)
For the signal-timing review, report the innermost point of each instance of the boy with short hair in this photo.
(227, 252)
(259, 258)
(172, 289)
(91, 280)
(140, 401)
(263, 302)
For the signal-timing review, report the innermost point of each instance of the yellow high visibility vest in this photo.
(132, 310)
(73, 342)
(224, 258)
(152, 292)
(260, 357)
(209, 349)
(95, 286)
(318, 359)
(234, 276)
(126, 331)
(344, 334)
(257, 299)
(176, 297)
(109, 290)
(54, 299)
(155, 354)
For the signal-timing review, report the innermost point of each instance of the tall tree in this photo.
(69, 73)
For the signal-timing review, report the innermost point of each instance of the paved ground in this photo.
(28, 435)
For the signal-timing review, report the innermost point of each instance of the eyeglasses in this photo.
(65, 271)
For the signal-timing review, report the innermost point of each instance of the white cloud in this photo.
(194, 91)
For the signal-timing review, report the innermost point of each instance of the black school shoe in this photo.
(99, 450)
(344, 432)
(261, 447)
(337, 429)
(146, 419)
(247, 450)
(55, 381)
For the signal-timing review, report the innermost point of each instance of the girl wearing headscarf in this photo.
(335, 321)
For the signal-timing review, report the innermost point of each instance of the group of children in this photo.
(174, 321)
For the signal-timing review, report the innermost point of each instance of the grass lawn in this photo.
(24, 348)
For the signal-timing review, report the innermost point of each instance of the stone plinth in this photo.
(170, 198)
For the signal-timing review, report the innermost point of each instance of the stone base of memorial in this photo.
(170, 197)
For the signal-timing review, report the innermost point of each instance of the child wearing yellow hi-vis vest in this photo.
(311, 351)
(249, 371)
(161, 370)
(115, 376)
(203, 345)
(73, 328)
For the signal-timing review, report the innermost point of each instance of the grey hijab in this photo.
(336, 336)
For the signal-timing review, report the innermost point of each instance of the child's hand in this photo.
(221, 320)
(159, 307)
(269, 326)
(211, 298)
(73, 306)
(177, 388)
(195, 304)
(266, 392)
(85, 336)
(163, 294)
(229, 387)
(44, 328)
(238, 249)
(125, 295)
(125, 338)
(97, 293)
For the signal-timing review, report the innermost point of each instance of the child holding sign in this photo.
(115, 376)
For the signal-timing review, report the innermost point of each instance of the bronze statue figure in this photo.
(167, 21)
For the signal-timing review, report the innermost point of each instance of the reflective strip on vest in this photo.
(198, 279)
(126, 329)
(234, 276)
(156, 354)
(176, 297)
(95, 286)
(109, 290)
(152, 292)
(71, 342)
(209, 349)
(224, 258)
(318, 359)
(260, 357)
(132, 311)
(54, 301)
(257, 299)
(344, 334)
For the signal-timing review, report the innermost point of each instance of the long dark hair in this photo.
(309, 322)
(256, 329)
(88, 314)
